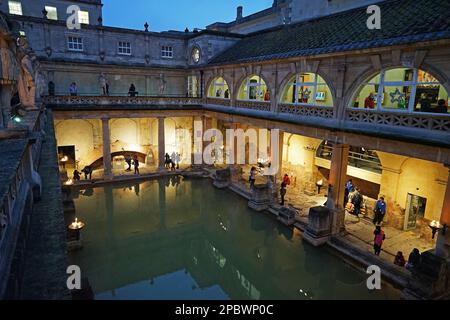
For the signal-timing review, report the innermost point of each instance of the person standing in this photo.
(128, 161)
(73, 90)
(132, 90)
(178, 160)
(76, 175)
(167, 161)
(252, 177)
(282, 193)
(348, 190)
(286, 180)
(414, 259)
(356, 199)
(369, 102)
(378, 240)
(136, 164)
(399, 259)
(380, 211)
(173, 158)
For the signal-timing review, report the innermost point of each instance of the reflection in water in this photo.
(174, 239)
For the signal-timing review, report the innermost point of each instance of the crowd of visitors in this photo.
(172, 161)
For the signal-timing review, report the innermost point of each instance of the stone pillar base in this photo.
(430, 280)
(260, 199)
(222, 179)
(286, 216)
(318, 231)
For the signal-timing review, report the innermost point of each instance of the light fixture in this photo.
(319, 185)
(435, 227)
(69, 182)
(76, 226)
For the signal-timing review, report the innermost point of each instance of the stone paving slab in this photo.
(45, 256)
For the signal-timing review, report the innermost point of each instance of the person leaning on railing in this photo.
(132, 91)
(441, 107)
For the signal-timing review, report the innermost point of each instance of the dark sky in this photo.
(163, 15)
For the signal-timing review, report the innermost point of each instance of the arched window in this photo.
(219, 89)
(402, 89)
(307, 89)
(254, 88)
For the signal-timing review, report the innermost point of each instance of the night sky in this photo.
(163, 15)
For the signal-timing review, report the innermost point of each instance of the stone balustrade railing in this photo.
(120, 100)
(218, 101)
(437, 123)
(307, 111)
(399, 119)
(19, 186)
(254, 105)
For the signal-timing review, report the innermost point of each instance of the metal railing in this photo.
(367, 160)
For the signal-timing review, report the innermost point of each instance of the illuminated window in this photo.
(83, 17)
(402, 89)
(307, 89)
(167, 52)
(196, 55)
(75, 43)
(124, 48)
(15, 7)
(254, 88)
(219, 89)
(52, 13)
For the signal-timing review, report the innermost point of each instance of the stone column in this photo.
(336, 181)
(443, 242)
(197, 140)
(161, 144)
(106, 150)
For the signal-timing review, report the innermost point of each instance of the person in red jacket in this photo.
(369, 102)
(286, 180)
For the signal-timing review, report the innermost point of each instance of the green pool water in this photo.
(184, 239)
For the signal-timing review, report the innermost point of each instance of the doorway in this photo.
(66, 157)
(415, 208)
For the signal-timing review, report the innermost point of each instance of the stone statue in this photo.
(27, 74)
(104, 86)
(162, 84)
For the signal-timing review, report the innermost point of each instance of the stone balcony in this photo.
(425, 128)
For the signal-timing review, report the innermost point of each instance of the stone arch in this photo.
(285, 81)
(79, 133)
(427, 186)
(242, 78)
(124, 134)
(215, 76)
(371, 72)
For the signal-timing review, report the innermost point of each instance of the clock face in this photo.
(196, 55)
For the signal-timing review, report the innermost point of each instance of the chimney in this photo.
(239, 13)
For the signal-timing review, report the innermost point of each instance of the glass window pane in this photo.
(305, 94)
(15, 7)
(399, 74)
(323, 95)
(51, 13)
(396, 97)
(307, 78)
(431, 98)
(423, 76)
(367, 97)
(83, 17)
